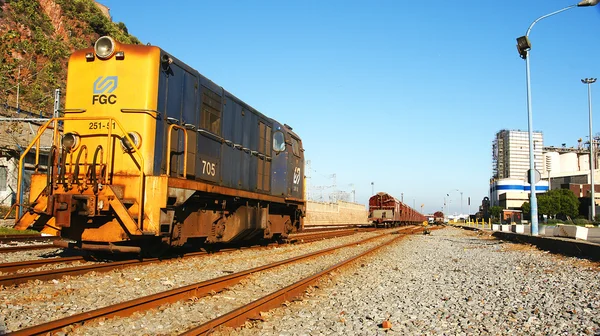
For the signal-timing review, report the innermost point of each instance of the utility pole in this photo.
(56, 113)
(18, 88)
(589, 82)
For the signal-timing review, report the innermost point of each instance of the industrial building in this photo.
(511, 153)
(559, 167)
(510, 150)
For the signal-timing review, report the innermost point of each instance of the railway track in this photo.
(36, 242)
(19, 278)
(25, 238)
(207, 287)
(23, 248)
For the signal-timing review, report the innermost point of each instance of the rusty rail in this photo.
(238, 316)
(15, 279)
(200, 289)
(25, 248)
(19, 265)
(25, 238)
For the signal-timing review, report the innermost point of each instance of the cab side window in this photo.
(295, 147)
(278, 141)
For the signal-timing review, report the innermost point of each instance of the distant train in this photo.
(385, 210)
(154, 154)
(438, 217)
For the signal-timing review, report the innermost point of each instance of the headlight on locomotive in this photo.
(127, 146)
(70, 141)
(104, 47)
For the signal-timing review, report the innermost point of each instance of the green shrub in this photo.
(581, 221)
(554, 221)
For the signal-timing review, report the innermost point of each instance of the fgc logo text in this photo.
(103, 87)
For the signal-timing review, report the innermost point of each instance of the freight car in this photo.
(155, 154)
(385, 210)
(438, 217)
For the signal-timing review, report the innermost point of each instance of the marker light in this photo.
(127, 146)
(104, 47)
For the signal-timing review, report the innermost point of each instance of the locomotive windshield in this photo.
(278, 141)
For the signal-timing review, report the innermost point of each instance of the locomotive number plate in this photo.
(98, 125)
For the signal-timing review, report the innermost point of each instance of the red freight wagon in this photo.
(385, 210)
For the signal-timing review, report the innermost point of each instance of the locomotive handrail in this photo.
(211, 135)
(153, 113)
(185, 143)
(56, 140)
(72, 110)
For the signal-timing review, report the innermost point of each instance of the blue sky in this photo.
(405, 94)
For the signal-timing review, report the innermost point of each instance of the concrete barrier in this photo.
(520, 228)
(546, 230)
(571, 231)
(593, 233)
(496, 227)
(569, 247)
(505, 228)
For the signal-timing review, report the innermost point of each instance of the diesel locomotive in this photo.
(385, 210)
(150, 152)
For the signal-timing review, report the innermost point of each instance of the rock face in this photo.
(104, 9)
(36, 39)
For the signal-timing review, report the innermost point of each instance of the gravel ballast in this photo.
(450, 283)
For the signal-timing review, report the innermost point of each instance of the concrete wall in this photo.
(8, 191)
(318, 213)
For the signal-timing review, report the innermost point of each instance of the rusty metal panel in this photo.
(63, 206)
(155, 198)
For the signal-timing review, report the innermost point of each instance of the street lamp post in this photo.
(589, 82)
(523, 46)
(461, 199)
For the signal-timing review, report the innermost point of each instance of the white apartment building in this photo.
(511, 154)
(510, 149)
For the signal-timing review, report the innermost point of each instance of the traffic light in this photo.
(523, 45)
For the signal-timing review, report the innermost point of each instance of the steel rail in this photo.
(308, 237)
(15, 279)
(200, 289)
(26, 248)
(25, 238)
(15, 266)
(239, 316)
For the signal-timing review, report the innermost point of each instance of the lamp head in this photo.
(587, 3)
(523, 46)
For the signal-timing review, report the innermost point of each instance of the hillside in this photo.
(36, 39)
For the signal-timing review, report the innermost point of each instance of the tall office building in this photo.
(511, 154)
